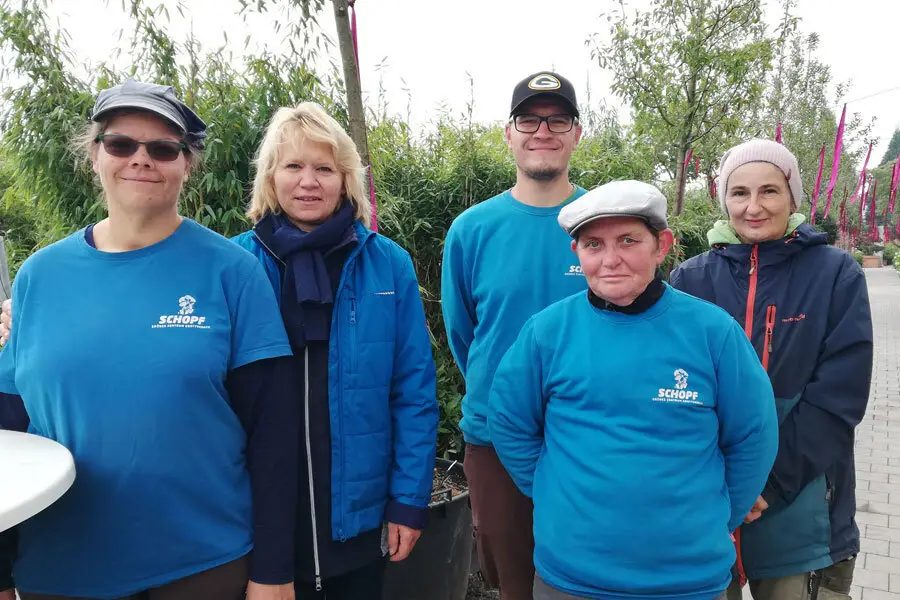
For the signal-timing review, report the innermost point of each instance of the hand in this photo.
(5, 327)
(260, 591)
(756, 512)
(401, 541)
(8, 594)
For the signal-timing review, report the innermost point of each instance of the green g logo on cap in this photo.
(544, 82)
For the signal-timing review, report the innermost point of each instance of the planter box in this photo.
(438, 567)
(871, 262)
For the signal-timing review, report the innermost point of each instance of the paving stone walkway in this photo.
(877, 575)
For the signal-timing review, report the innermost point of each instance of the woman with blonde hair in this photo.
(354, 316)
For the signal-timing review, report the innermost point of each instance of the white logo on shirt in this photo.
(185, 319)
(679, 394)
(575, 271)
(187, 305)
(681, 378)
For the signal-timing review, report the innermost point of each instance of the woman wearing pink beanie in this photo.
(805, 307)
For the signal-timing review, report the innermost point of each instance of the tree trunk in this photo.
(5, 287)
(351, 80)
(680, 179)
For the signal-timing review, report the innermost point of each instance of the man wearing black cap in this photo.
(505, 260)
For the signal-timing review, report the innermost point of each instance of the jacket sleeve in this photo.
(12, 418)
(818, 430)
(457, 303)
(748, 423)
(413, 404)
(263, 396)
(12, 413)
(676, 280)
(9, 546)
(516, 409)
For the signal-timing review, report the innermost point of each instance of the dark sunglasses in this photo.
(123, 146)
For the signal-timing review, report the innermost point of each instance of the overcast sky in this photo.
(429, 48)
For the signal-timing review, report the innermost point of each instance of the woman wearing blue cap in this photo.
(637, 417)
(164, 375)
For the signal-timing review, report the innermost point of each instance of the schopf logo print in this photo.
(681, 378)
(575, 271)
(680, 394)
(185, 319)
(544, 82)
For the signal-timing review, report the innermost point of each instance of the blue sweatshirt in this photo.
(644, 440)
(503, 262)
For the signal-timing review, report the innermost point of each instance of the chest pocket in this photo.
(376, 316)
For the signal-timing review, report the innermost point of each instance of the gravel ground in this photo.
(477, 590)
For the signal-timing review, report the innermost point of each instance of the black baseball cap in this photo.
(544, 83)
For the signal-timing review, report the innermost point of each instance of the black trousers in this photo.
(362, 584)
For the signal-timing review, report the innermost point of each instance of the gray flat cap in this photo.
(616, 199)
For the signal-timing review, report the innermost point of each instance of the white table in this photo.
(35, 472)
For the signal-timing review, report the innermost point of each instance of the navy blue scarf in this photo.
(306, 292)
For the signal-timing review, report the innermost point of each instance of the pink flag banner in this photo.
(818, 187)
(778, 135)
(895, 183)
(862, 204)
(687, 159)
(862, 177)
(873, 211)
(836, 159)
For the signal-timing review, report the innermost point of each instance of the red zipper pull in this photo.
(754, 260)
(770, 324)
(770, 330)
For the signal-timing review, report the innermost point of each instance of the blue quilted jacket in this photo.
(381, 390)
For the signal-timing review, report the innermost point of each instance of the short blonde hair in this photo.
(307, 121)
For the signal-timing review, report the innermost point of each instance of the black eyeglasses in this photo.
(123, 146)
(526, 123)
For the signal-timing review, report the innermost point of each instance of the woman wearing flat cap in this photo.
(637, 417)
(805, 307)
(164, 374)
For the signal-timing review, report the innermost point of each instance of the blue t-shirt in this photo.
(122, 358)
(503, 262)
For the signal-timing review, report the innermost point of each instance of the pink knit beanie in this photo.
(761, 151)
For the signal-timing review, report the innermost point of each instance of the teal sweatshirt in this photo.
(644, 440)
(503, 262)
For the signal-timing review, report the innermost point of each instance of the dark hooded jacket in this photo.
(805, 307)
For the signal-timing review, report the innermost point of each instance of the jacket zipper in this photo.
(344, 271)
(748, 329)
(309, 470)
(770, 329)
(269, 250)
(751, 293)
